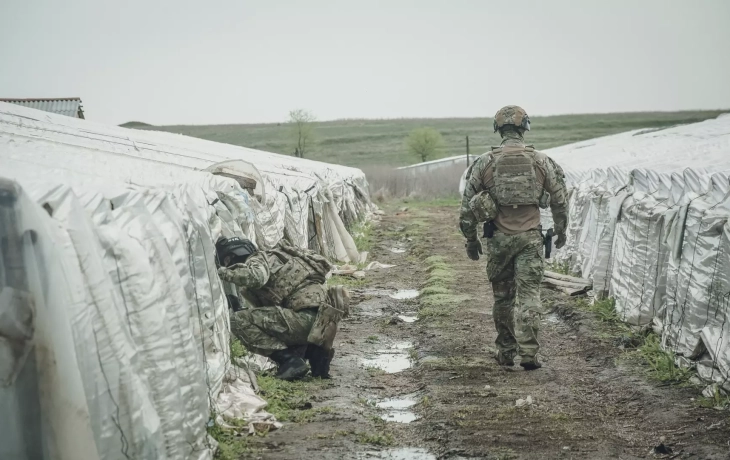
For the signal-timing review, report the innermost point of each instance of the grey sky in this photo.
(238, 61)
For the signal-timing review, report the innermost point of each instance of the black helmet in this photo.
(237, 249)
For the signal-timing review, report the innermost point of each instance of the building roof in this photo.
(69, 106)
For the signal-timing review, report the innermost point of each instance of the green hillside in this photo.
(362, 143)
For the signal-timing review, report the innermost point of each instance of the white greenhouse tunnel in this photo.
(114, 329)
(649, 225)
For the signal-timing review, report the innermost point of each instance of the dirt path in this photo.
(586, 402)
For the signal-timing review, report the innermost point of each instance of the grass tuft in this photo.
(230, 446)
(289, 401)
(662, 364)
(362, 233)
(237, 348)
(376, 439)
(346, 281)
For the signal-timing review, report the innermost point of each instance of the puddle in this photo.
(408, 318)
(552, 319)
(403, 453)
(402, 294)
(398, 409)
(391, 360)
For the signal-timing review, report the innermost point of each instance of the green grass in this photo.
(237, 348)
(230, 446)
(718, 400)
(362, 233)
(376, 439)
(662, 365)
(287, 401)
(347, 281)
(605, 310)
(382, 142)
(373, 339)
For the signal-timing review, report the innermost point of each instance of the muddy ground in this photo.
(588, 401)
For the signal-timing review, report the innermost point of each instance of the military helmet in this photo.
(238, 249)
(511, 115)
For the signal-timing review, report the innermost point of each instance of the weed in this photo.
(413, 354)
(346, 281)
(434, 290)
(425, 402)
(504, 454)
(719, 400)
(662, 365)
(237, 348)
(442, 300)
(288, 401)
(375, 371)
(373, 339)
(559, 267)
(431, 260)
(560, 417)
(230, 446)
(605, 310)
(376, 439)
(362, 234)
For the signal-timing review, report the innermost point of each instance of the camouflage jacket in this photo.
(286, 276)
(478, 180)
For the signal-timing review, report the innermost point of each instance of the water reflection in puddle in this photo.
(552, 318)
(402, 294)
(398, 409)
(391, 360)
(399, 346)
(404, 453)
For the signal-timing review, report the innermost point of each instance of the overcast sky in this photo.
(240, 61)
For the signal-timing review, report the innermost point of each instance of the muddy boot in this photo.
(505, 359)
(319, 360)
(530, 363)
(291, 365)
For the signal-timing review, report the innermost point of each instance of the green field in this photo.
(362, 143)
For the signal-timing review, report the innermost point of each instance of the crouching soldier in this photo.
(294, 315)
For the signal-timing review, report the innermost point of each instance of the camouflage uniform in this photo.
(515, 258)
(286, 288)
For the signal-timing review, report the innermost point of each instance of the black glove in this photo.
(473, 249)
(560, 242)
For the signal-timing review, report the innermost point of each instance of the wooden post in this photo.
(467, 151)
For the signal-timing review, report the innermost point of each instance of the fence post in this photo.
(467, 151)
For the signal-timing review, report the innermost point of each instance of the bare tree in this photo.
(424, 143)
(301, 122)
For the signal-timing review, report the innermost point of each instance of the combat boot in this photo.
(505, 359)
(319, 360)
(530, 363)
(291, 364)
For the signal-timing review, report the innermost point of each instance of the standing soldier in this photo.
(506, 188)
(294, 315)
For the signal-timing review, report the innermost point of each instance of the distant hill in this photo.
(363, 143)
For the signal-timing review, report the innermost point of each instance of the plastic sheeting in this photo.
(114, 331)
(648, 224)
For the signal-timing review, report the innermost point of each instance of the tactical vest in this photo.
(515, 177)
(297, 281)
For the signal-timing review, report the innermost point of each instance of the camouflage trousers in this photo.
(265, 330)
(515, 268)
